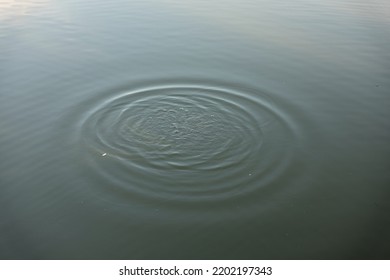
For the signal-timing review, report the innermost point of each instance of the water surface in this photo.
(194, 130)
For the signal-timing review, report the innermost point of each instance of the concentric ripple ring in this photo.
(187, 142)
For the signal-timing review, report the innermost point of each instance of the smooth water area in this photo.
(194, 129)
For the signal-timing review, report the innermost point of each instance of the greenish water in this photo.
(194, 129)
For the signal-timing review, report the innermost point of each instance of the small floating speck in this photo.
(250, 174)
(104, 154)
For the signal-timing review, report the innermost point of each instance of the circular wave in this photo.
(187, 142)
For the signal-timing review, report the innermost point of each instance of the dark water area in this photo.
(194, 129)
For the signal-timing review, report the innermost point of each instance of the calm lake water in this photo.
(215, 129)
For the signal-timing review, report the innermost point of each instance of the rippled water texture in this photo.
(187, 142)
(191, 129)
